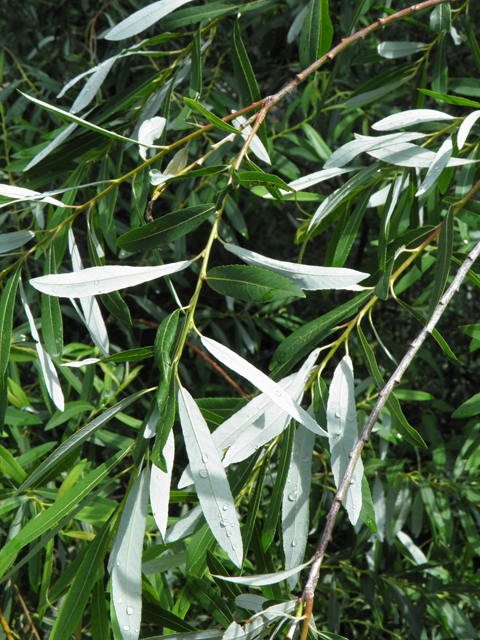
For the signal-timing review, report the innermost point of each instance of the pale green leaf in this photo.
(143, 19)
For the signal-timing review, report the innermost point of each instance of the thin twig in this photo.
(26, 611)
(5, 626)
(354, 455)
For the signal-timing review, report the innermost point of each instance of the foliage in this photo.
(175, 226)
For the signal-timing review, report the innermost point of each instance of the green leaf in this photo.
(212, 10)
(10, 467)
(462, 102)
(7, 304)
(252, 284)
(285, 456)
(260, 178)
(303, 340)
(317, 33)
(196, 71)
(131, 355)
(266, 578)
(211, 601)
(472, 41)
(441, 18)
(52, 323)
(367, 514)
(440, 67)
(208, 115)
(143, 19)
(78, 594)
(71, 410)
(165, 229)
(400, 422)
(100, 624)
(445, 250)
(247, 83)
(166, 406)
(469, 408)
(350, 231)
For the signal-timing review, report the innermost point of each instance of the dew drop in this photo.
(294, 543)
(292, 496)
(278, 394)
(205, 458)
(234, 547)
(203, 474)
(118, 563)
(96, 283)
(224, 523)
(352, 482)
(119, 600)
(129, 611)
(126, 627)
(289, 480)
(148, 18)
(229, 534)
(137, 630)
(250, 416)
(255, 447)
(225, 507)
(338, 414)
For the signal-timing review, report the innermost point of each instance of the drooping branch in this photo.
(395, 378)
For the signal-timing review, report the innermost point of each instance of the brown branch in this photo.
(26, 611)
(354, 455)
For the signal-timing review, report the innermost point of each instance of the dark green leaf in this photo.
(7, 304)
(469, 408)
(463, 102)
(255, 178)
(196, 71)
(445, 250)
(52, 323)
(441, 18)
(208, 115)
(252, 284)
(166, 229)
(317, 33)
(214, 604)
(440, 67)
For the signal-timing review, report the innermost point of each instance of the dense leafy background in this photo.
(418, 576)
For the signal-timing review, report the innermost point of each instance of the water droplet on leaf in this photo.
(292, 496)
(225, 507)
(278, 394)
(129, 611)
(203, 474)
(119, 600)
(229, 534)
(205, 458)
(294, 543)
(126, 627)
(338, 414)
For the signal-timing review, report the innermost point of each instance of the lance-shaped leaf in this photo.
(440, 162)
(317, 32)
(185, 526)
(75, 119)
(211, 482)
(127, 564)
(149, 131)
(50, 375)
(266, 578)
(252, 284)
(20, 194)
(93, 84)
(406, 154)
(271, 389)
(295, 504)
(342, 427)
(56, 142)
(52, 323)
(96, 280)
(166, 229)
(392, 50)
(7, 304)
(307, 277)
(409, 118)
(11, 241)
(160, 487)
(312, 179)
(335, 198)
(465, 128)
(211, 117)
(92, 316)
(347, 152)
(445, 249)
(143, 19)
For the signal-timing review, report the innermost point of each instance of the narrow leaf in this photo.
(143, 19)
(466, 127)
(127, 563)
(166, 229)
(394, 50)
(307, 277)
(317, 33)
(52, 323)
(211, 482)
(212, 118)
(271, 389)
(266, 578)
(149, 131)
(11, 241)
(7, 304)
(252, 284)
(439, 163)
(96, 280)
(409, 118)
(160, 487)
(342, 427)
(445, 249)
(295, 504)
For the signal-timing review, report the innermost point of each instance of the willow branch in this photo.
(354, 455)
